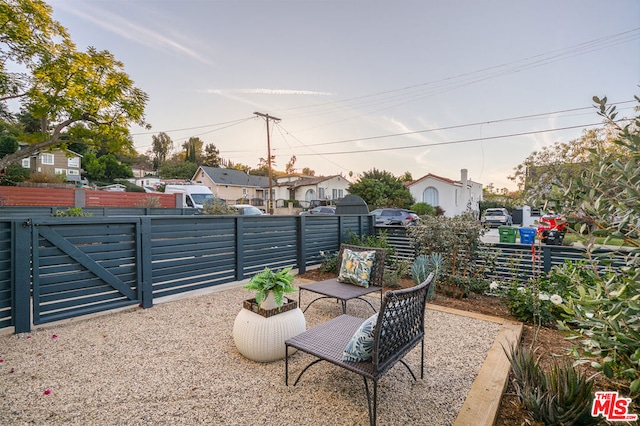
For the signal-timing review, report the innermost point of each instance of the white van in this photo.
(193, 196)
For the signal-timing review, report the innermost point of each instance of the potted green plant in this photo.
(270, 287)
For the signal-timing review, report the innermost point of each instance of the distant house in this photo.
(55, 162)
(309, 190)
(233, 185)
(116, 187)
(453, 196)
(142, 171)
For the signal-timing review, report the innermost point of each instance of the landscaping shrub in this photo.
(329, 262)
(457, 240)
(149, 202)
(603, 315)
(423, 209)
(71, 212)
(218, 208)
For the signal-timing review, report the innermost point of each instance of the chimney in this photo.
(464, 195)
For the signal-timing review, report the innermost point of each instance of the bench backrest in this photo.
(400, 325)
(377, 271)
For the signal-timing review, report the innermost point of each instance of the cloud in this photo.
(267, 92)
(130, 30)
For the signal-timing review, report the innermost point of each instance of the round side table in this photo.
(262, 339)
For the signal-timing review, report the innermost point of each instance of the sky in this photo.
(419, 86)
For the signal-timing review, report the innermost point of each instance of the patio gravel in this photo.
(176, 363)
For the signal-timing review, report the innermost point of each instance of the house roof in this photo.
(431, 175)
(234, 177)
(307, 181)
(440, 178)
(22, 145)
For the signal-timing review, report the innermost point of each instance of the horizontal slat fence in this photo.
(511, 262)
(6, 273)
(71, 266)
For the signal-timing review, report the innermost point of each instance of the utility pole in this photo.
(269, 117)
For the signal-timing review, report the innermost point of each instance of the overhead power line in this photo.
(241, 120)
(412, 93)
(426, 145)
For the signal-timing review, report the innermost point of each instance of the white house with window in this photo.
(453, 196)
(311, 190)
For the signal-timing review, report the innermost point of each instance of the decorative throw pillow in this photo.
(356, 267)
(360, 347)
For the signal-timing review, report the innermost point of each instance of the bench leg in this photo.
(286, 364)
(373, 408)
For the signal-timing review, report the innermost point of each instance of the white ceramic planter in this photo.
(262, 339)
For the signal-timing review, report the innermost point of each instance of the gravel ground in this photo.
(176, 363)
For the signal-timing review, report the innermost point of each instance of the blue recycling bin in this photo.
(527, 235)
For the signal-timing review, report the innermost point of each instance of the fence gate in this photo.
(81, 266)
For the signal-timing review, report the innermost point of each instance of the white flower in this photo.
(613, 294)
(543, 296)
(521, 289)
(556, 299)
(494, 285)
(589, 314)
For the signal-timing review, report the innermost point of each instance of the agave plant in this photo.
(424, 265)
(561, 396)
(568, 398)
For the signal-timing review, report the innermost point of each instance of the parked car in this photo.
(497, 217)
(246, 209)
(320, 210)
(392, 216)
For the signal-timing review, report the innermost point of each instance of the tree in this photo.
(603, 311)
(211, 157)
(177, 170)
(105, 168)
(538, 175)
(263, 166)
(8, 144)
(161, 147)
(308, 172)
(67, 90)
(382, 189)
(607, 192)
(193, 149)
(235, 166)
(406, 177)
(28, 35)
(290, 168)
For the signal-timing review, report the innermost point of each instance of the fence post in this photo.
(239, 248)
(302, 244)
(546, 259)
(21, 264)
(79, 198)
(146, 264)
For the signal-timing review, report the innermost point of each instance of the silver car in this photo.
(497, 217)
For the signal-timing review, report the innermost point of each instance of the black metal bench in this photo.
(334, 289)
(399, 328)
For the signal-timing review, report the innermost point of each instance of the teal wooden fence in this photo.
(58, 268)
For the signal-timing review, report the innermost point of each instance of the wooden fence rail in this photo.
(58, 268)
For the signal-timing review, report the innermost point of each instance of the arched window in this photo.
(310, 195)
(430, 196)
